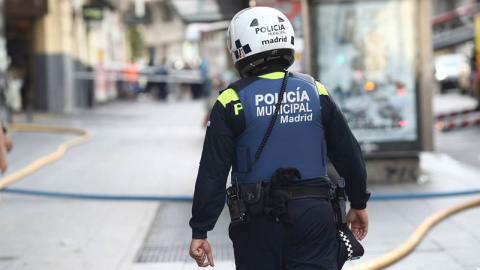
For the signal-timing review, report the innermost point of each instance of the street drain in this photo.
(169, 237)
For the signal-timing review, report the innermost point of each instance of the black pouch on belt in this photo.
(236, 205)
(253, 198)
(277, 193)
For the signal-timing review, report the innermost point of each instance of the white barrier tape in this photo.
(110, 76)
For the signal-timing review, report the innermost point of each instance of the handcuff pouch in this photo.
(254, 198)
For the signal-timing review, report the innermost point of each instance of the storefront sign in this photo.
(92, 13)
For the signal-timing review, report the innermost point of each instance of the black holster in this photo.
(277, 193)
(338, 202)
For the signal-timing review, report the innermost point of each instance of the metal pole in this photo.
(31, 70)
(307, 33)
(426, 75)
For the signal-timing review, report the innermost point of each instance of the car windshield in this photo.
(450, 64)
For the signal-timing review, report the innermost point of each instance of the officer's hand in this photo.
(5, 144)
(200, 250)
(358, 219)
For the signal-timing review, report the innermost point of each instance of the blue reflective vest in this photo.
(298, 137)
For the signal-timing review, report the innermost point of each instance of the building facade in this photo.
(50, 43)
(165, 35)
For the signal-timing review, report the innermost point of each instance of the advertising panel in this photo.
(366, 58)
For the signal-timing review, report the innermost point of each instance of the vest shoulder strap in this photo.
(304, 77)
(242, 83)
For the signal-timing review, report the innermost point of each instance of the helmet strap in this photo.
(282, 56)
(248, 68)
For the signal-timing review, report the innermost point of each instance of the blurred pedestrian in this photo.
(206, 79)
(131, 76)
(196, 86)
(162, 86)
(279, 201)
(6, 145)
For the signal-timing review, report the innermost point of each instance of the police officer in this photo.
(299, 233)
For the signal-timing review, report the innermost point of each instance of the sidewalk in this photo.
(451, 103)
(149, 148)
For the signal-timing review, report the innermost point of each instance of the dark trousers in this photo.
(311, 242)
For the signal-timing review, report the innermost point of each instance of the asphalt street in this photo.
(462, 143)
(148, 148)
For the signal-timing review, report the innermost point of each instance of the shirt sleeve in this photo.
(344, 152)
(215, 164)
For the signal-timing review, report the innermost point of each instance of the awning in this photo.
(113, 4)
(26, 8)
(199, 11)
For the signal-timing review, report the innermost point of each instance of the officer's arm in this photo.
(344, 151)
(209, 197)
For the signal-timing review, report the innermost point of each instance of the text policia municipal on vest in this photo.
(294, 106)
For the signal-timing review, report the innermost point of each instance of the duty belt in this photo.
(304, 192)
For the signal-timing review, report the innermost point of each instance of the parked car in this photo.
(452, 71)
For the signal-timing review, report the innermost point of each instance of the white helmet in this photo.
(260, 34)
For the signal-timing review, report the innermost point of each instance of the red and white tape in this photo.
(446, 126)
(452, 114)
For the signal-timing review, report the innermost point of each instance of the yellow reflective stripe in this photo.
(322, 91)
(227, 96)
(273, 75)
